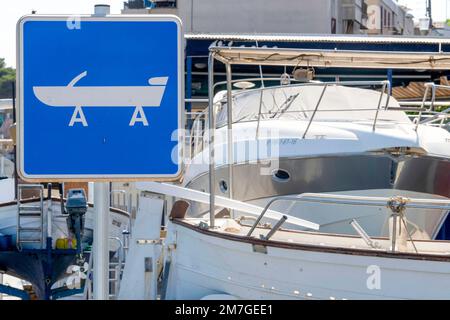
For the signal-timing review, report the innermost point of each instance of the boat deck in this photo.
(233, 229)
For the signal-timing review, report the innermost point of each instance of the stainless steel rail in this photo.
(315, 111)
(436, 115)
(212, 127)
(116, 268)
(386, 87)
(395, 204)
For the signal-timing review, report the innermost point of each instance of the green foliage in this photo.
(440, 108)
(7, 76)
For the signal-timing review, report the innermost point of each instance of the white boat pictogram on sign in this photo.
(103, 96)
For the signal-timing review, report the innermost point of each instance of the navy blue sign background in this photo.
(113, 53)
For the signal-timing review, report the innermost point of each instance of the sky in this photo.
(418, 7)
(11, 11)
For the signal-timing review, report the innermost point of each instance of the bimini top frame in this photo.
(331, 58)
(298, 58)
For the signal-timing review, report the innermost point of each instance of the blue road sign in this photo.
(99, 97)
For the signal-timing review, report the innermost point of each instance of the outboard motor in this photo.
(76, 207)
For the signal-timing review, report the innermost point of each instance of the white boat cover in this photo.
(339, 103)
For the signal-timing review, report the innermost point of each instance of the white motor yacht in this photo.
(339, 138)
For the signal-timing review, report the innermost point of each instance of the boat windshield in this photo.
(299, 102)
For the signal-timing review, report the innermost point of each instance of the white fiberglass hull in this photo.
(335, 157)
(359, 174)
(203, 265)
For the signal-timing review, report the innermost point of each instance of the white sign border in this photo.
(97, 177)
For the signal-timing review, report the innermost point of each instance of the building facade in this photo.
(389, 18)
(283, 16)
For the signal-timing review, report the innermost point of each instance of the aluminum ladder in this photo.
(26, 213)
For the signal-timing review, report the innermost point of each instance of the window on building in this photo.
(389, 19)
(349, 26)
(333, 25)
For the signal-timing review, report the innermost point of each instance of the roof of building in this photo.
(6, 104)
(318, 38)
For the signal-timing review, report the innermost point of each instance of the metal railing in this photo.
(195, 136)
(385, 90)
(121, 201)
(432, 117)
(115, 268)
(384, 83)
(424, 113)
(397, 205)
(87, 292)
(126, 203)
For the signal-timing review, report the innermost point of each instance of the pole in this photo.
(189, 83)
(50, 215)
(429, 14)
(212, 125)
(100, 249)
(230, 132)
(1, 283)
(13, 89)
(390, 79)
(2, 161)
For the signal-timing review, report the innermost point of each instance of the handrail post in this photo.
(126, 242)
(212, 128)
(49, 210)
(388, 92)
(393, 233)
(230, 131)
(259, 113)
(315, 110)
(260, 217)
(118, 268)
(383, 90)
(275, 228)
(42, 217)
(433, 97)
(424, 99)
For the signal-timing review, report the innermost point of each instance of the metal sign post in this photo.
(1, 283)
(100, 249)
(101, 241)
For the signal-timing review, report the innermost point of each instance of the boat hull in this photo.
(31, 264)
(205, 264)
(354, 174)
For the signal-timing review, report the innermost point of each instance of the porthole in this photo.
(223, 186)
(280, 175)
